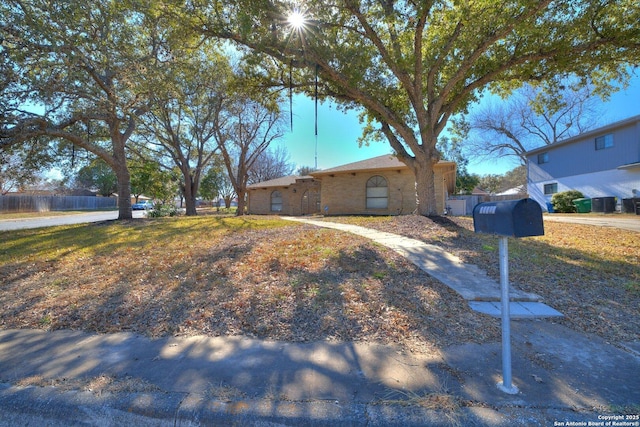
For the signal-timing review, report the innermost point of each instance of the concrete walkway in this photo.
(472, 283)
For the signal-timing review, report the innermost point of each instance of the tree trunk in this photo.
(425, 187)
(119, 165)
(124, 191)
(241, 203)
(192, 185)
(189, 197)
(190, 202)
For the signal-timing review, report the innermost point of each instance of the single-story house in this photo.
(289, 195)
(382, 185)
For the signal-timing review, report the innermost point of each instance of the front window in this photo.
(605, 141)
(551, 188)
(276, 201)
(377, 193)
(543, 158)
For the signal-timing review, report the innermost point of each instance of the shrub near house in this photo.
(563, 202)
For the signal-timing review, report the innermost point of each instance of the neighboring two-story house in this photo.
(603, 162)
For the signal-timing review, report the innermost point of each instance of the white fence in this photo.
(55, 203)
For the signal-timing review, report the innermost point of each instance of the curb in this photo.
(49, 406)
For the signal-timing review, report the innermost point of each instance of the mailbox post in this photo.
(512, 218)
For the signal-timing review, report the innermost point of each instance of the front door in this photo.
(311, 202)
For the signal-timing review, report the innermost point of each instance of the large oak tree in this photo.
(414, 64)
(80, 72)
(179, 128)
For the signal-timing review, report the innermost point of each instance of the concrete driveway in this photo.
(625, 222)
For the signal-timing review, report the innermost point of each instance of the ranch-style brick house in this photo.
(382, 185)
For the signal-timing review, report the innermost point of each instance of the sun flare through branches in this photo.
(296, 19)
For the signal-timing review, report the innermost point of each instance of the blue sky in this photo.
(338, 133)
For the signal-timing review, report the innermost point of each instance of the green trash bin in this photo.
(582, 205)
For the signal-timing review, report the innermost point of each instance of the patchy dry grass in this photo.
(268, 278)
(589, 273)
(260, 277)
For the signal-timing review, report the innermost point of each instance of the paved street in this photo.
(625, 222)
(23, 223)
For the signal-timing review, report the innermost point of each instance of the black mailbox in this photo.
(512, 218)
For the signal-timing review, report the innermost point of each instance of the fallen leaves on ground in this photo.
(283, 282)
(589, 273)
(267, 278)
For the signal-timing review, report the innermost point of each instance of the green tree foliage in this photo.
(98, 176)
(81, 72)
(163, 191)
(216, 184)
(414, 65)
(451, 149)
(213, 181)
(179, 127)
(146, 176)
(209, 186)
(491, 183)
(516, 177)
(495, 183)
(21, 165)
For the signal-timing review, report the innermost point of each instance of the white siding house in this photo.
(604, 162)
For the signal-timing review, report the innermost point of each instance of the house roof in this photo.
(284, 181)
(380, 163)
(520, 189)
(477, 191)
(388, 162)
(384, 162)
(584, 135)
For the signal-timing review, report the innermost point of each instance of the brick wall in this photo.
(259, 202)
(345, 194)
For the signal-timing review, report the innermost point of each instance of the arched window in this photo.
(377, 193)
(276, 201)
